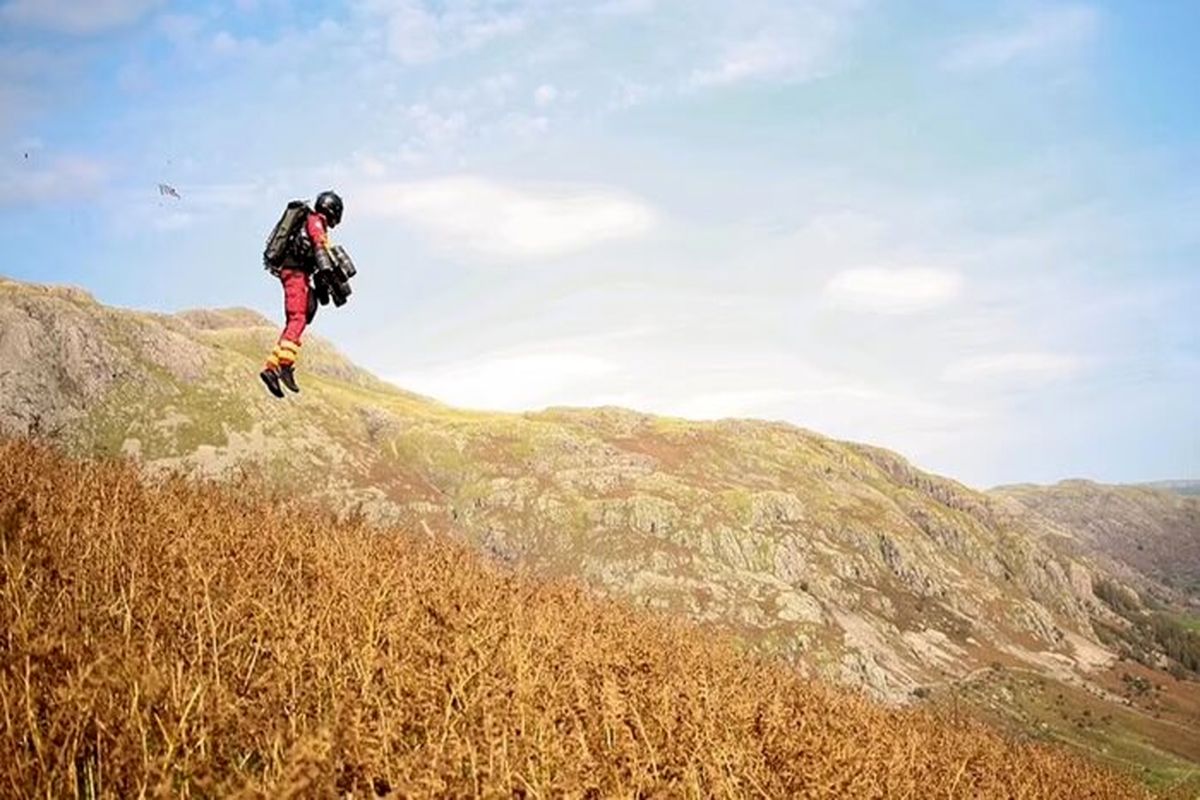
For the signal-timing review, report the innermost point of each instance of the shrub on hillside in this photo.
(1149, 632)
(1120, 599)
(1177, 642)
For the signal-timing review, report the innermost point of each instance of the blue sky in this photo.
(965, 231)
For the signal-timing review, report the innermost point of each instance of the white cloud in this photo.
(418, 33)
(765, 56)
(632, 94)
(640, 370)
(783, 42)
(506, 221)
(514, 381)
(893, 291)
(1027, 367)
(435, 130)
(1051, 31)
(763, 402)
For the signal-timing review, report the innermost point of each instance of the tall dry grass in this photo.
(183, 640)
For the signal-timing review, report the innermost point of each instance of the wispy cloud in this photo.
(419, 33)
(763, 57)
(79, 17)
(508, 221)
(630, 94)
(629, 369)
(734, 403)
(1022, 367)
(893, 291)
(798, 45)
(30, 181)
(516, 381)
(1048, 32)
(434, 130)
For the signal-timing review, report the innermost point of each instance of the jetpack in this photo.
(331, 280)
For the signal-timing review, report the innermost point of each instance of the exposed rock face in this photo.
(840, 557)
(55, 358)
(1139, 531)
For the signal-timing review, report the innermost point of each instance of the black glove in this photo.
(321, 288)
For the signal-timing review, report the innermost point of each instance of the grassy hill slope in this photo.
(184, 639)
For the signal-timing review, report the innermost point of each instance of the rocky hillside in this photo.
(839, 558)
(1186, 488)
(1147, 532)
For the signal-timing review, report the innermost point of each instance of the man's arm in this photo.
(317, 233)
(319, 236)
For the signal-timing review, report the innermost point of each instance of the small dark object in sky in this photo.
(168, 191)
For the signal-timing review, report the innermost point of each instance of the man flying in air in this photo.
(297, 250)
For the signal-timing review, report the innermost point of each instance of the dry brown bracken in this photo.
(182, 639)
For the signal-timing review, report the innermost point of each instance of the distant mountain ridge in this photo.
(1149, 531)
(840, 558)
(1189, 488)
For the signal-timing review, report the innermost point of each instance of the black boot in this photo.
(271, 378)
(287, 376)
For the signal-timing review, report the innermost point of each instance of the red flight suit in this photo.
(296, 297)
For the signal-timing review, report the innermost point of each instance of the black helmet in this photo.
(329, 205)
